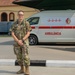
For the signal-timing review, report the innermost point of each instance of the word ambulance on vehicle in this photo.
(52, 26)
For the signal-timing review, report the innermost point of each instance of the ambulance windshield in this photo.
(33, 20)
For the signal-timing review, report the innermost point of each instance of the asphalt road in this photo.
(38, 52)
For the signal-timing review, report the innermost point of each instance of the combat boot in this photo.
(22, 70)
(27, 70)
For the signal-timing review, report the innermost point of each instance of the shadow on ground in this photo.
(63, 49)
(3, 71)
(7, 43)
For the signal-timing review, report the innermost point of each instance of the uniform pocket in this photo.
(16, 50)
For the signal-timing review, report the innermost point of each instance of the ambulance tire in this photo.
(33, 40)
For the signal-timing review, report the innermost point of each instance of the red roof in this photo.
(6, 2)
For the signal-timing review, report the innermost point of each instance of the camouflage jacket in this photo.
(20, 30)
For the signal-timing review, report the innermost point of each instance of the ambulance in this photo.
(53, 26)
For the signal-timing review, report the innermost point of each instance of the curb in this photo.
(44, 63)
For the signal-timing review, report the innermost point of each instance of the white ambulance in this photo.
(53, 26)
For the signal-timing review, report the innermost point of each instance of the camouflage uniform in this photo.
(20, 30)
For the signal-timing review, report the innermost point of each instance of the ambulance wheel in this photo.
(33, 40)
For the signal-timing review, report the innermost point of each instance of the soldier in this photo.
(20, 31)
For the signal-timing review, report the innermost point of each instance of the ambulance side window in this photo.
(33, 20)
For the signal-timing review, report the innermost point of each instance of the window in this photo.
(33, 20)
(11, 16)
(4, 17)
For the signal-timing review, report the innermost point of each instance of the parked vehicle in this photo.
(5, 26)
(52, 26)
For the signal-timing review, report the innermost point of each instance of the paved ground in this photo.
(38, 52)
(11, 70)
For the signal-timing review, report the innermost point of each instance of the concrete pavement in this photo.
(11, 70)
(39, 52)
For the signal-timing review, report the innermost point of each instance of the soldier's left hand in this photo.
(20, 43)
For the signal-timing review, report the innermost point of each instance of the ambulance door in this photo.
(57, 29)
(34, 22)
(51, 29)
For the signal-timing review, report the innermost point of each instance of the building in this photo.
(8, 10)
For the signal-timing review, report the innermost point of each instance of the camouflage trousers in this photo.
(22, 55)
